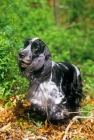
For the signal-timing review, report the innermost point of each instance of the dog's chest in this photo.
(40, 94)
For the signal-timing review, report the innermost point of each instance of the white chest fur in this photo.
(40, 94)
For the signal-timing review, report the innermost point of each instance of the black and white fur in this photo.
(55, 88)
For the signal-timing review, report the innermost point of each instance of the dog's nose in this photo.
(21, 55)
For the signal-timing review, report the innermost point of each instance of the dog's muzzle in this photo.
(24, 61)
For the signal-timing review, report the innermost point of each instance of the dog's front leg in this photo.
(39, 110)
(57, 112)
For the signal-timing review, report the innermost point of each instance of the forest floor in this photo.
(16, 124)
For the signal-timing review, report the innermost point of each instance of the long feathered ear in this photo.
(46, 50)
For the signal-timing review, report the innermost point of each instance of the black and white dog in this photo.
(55, 88)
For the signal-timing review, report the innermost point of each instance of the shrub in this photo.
(35, 18)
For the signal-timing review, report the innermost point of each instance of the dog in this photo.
(55, 89)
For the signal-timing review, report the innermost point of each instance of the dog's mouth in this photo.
(24, 64)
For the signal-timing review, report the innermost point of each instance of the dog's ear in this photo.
(45, 50)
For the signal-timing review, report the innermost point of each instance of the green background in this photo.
(66, 26)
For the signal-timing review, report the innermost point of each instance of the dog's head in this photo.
(33, 55)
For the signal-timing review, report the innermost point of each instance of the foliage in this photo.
(32, 18)
(14, 27)
(77, 13)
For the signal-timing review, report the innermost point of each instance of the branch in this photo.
(33, 137)
(73, 120)
(79, 112)
(63, 7)
(6, 127)
(71, 26)
(86, 74)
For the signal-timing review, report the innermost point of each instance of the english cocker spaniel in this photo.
(55, 88)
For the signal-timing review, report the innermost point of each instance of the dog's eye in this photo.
(36, 49)
(35, 46)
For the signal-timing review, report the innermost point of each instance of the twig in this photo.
(41, 137)
(6, 127)
(35, 138)
(79, 112)
(86, 74)
(73, 120)
(71, 26)
(63, 7)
